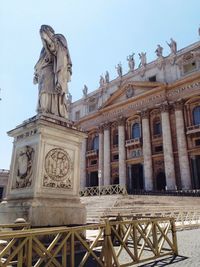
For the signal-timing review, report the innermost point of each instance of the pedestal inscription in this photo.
(58, 168)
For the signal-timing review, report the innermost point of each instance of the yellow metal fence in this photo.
(112, 243)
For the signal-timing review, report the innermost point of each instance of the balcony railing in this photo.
(132, 142)
(193, 129)
(92, 153)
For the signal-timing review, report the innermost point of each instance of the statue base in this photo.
(44, 182)
(43, 212)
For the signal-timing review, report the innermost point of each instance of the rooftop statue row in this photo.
(143, 61)
(131, 63)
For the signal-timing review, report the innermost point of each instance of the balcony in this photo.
(91, 153)
(133, 142)
(157, 136)
(193, 129)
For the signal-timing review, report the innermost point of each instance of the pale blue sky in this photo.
(100, 33)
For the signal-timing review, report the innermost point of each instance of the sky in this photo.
(100, 34)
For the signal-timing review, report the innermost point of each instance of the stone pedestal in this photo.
(44, 178)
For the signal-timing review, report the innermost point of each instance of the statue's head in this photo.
(47, 29)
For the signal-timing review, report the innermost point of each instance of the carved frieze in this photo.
(24, 167)
(58, 169)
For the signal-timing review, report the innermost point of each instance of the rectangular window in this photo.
(158, 149)
(152, 78)
(115, 157)
(93, 162)
(1, 192)
(187, 68)
(91, 107)
(77, 115)
(197, 142)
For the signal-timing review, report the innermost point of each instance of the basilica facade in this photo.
(144, 126)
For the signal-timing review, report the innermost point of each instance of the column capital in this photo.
(106, 125)
(145, 114)
(164, 107)
(178, 105)
(100, 129)
(121, 121)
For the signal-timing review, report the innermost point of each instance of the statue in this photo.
(173, 46)
(69, 98)
(119, 69)
(101, 81)
(159, 51)
(143, 59)
(52, 73)
(107, 78)
(131, 62)
(85, 91)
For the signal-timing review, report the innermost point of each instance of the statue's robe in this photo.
(52, 69)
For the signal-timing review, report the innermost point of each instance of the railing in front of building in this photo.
(105, 244)
(192, 192)
(3, 171)
(193, 129)
(91, 153)
(131, 142)
(103, 190)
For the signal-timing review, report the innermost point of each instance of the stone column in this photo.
(83, 164)
(122, 151)
(182, 147)
(101, 154)
(147, 154)
(167, 148)
(106, 154)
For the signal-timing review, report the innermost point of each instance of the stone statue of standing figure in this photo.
(131, 62)
(173, 46)
(52, 73)
(143, 59)
(119, 69)
(159, 51)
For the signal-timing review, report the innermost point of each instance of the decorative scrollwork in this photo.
(24, 165)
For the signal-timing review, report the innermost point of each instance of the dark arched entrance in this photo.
(160, 181)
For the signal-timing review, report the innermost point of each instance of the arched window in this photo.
(95, 143)
(157, 127)
(196, 115)
(135, 133)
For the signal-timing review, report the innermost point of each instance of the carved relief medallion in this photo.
(58, 168)
(23, 168)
